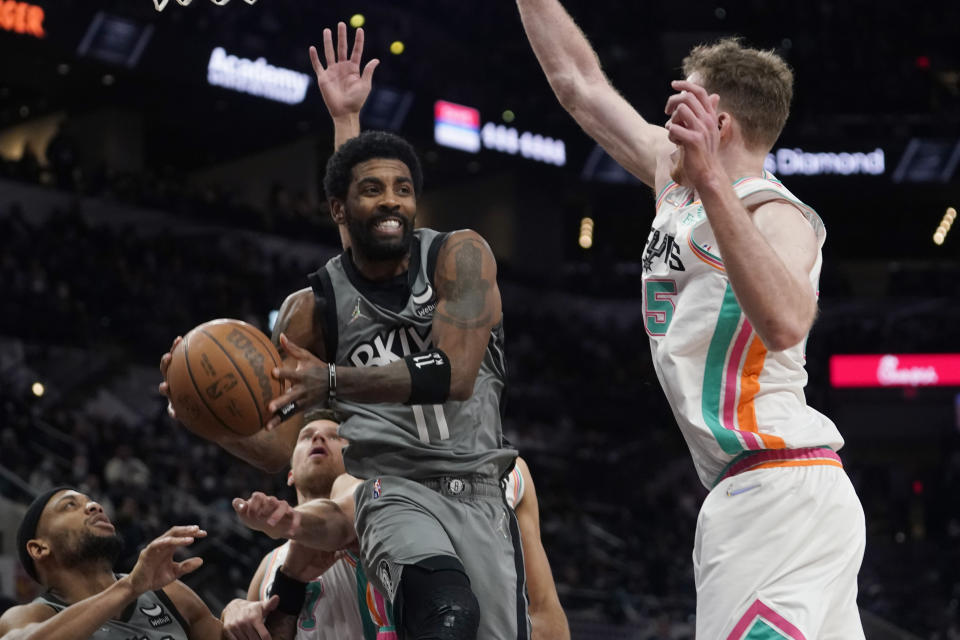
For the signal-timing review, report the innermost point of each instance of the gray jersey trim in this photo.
(325, 310)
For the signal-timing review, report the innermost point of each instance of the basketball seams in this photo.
(236, 368)
(268, 346)
(198, 390)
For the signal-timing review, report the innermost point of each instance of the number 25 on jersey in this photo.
(658, 305)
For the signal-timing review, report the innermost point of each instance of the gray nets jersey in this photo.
(151, 617)
(418, 441)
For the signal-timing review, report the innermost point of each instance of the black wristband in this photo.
(429, 377)
(292, 593)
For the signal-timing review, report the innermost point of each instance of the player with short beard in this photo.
(67, 543)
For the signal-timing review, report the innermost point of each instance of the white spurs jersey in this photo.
(729, 394)
(514, 487)
(340, 604)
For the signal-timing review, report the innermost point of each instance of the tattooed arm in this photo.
(468, 306)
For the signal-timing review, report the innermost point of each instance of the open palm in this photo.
(343, 85)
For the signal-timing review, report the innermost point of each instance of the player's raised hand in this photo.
(694, 125)
(156, 567)
(244, 619)
(342, 84)
(309, 378)
(271, 515)
(164, 365)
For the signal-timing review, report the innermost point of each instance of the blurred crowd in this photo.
(93, 306)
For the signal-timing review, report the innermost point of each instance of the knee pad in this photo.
(435, 602)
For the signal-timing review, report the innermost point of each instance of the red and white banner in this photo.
(896, 370)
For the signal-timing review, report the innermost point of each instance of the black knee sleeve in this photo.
(434, 601)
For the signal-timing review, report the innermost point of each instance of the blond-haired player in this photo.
(730, 273)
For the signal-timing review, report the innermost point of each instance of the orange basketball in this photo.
(220, 379)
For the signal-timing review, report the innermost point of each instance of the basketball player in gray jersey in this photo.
(67, 543)
(402, 333)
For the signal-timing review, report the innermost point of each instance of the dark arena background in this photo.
(146, 187)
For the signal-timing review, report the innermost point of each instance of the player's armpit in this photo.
(256, 582)
(202, 624)
(468, 306)
(296, 320)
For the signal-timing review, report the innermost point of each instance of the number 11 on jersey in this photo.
(420, 413)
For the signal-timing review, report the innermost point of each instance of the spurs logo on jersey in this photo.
(662, 247)
(388, 347)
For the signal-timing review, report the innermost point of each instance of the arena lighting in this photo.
(456, 126)
(161, 4)
(895, 370)
(586, 233)
(21, 17)
(258, 78)
(529, 145)
(508, 116)
(37, 389)
(396, 47)
(944, 227)
(357, 20)
(787, 162)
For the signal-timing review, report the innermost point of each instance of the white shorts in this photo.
(776, 555)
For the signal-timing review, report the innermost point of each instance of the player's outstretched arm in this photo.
(573, 71)
(343, 86)
(155, 569)
(767, 254)
(319, 524)
(547, 618)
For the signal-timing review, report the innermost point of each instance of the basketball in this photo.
(220, 379)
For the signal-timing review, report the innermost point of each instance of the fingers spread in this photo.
(367, 74)
(357, 53)
(315, 61)
(341, 41)
(328, 54)
(187, 566)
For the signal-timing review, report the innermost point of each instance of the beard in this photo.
(87, 548)
(363, 238)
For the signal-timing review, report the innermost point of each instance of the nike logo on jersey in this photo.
(735, 492)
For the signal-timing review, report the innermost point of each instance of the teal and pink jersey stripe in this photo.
(761, 622)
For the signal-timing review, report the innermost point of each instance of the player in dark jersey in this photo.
(411, 322)
(67, 543)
